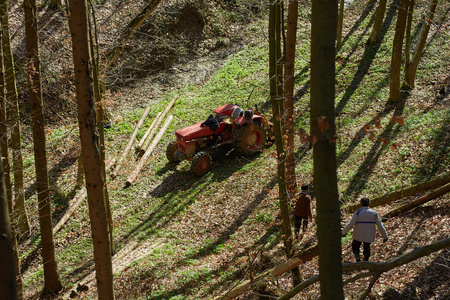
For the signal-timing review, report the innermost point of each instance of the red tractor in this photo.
(247, 130)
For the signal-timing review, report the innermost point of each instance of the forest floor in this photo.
(178, 236)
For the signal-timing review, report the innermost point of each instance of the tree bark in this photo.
(130, 142)
(408, 41)
(421, 44)
(8, 283)
(276, 98)
(396, 60)
(323, 130)
(51, 276)
(339, 24)
(91, 149)
(379, 17)
(401, 193)
(149, 151)
(291, 40)
(6, 171)
(424, 199)
(13, 108)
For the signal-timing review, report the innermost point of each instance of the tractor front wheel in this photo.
(250, 139)
(201, 163)
(170, 152)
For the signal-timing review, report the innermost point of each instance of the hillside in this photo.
(178, 236)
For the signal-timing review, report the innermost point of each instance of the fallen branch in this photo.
(406, 192)
(276, 271)
(141, 142)
(152, 133)
(424, 199)
(130, 142)
(75, 202)
(149, 151)
(376, 269)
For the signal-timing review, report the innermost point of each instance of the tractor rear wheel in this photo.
(250, 139)
(201, 163)
(170, 152)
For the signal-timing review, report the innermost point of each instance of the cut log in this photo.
(149, 138)
(149, 151)
(75, 202)
(130, 142)
(406, 192)
(141, 142)
(424, 199)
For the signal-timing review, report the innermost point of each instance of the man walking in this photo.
(364, 221)
(302, 210)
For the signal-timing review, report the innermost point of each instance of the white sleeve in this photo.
(350, 224)
(381, 228)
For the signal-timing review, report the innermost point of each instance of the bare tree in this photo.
(379, 17)
(51, 276)
(91, 149)
(13, 109)
(339, 23)
(323, 130)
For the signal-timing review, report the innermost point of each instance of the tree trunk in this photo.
(379, 17)
(276, 98)
(8, 283)
(6, 171)
(396, 60)
(51, 276)
(408, 41)
(421, 44)
(401, 193)
(90, 150)
(128, 31)
(323, 130)
(339, 24)
(291, 39)
(424, 199)
(13, 108)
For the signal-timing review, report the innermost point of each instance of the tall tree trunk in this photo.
(6, 172)
(51, 276)
(277, 110)
(323, 130)
(410, 77)
(8, 284)
(90, 149)
(339, 24)
(408, 41)
(291, 39)
(396, 60)
(13, 108)
(379, 17)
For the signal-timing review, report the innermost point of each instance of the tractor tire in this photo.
(201, 163)
(249, 139)
(170, 152)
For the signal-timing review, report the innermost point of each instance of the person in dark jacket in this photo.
(364, 221)
(302, 210)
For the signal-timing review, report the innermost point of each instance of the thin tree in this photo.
(339, 23)
(379, 17)
(51, 276)
(409, 19)
(90, 149)
(6, 171)
(323, 130)
(289, 66)
(397, 47)
(13, 109)
(411, 68)
(8, 284)
(276, 96)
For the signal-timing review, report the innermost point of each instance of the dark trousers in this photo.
(366, 250)
(298, 223)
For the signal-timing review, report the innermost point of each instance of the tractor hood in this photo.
(194, 131)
